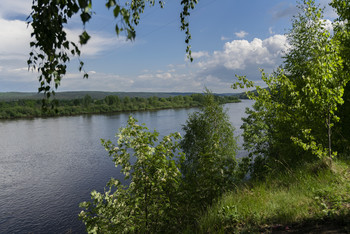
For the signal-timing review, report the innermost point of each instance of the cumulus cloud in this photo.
(214, 70)
(15, 38)
(238, 54)
(241, 57)
(217, 70)
(241, 34)
(14, 46)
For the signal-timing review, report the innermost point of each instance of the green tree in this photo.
(112, 100)
(51, 50)
(315, 66)
(342, 34)
(302, 98)
(87, 100)
(149, 203)
(210, 148)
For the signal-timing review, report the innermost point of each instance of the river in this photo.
(49, 165)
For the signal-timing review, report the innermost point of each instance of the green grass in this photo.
(311, 194)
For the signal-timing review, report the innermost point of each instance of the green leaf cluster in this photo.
(149, 203)
(293, 118)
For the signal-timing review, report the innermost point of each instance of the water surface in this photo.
(49, 165)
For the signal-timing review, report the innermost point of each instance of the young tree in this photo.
(342, 34)
(210, 148)
(315, 67)
(149, 203)
(301, 101)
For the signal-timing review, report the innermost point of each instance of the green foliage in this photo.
(210, 148)
(342, 34)
(87, 100)
(149, 203)
(292, 119)
(51, 50)
(315, 65)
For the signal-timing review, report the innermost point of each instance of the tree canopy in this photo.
(294, 118)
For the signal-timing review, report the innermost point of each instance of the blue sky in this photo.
(228, 37)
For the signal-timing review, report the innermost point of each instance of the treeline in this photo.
(88, 105)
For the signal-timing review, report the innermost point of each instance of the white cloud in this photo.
(15, 38)
(239, 54)
(216, 70)
(241, 34)
(200, 54)
(14, 52)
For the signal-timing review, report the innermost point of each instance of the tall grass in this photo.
(308, 194)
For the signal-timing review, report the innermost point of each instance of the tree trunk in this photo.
(329, 138)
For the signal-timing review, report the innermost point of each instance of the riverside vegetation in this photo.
(112, 103)
(295, 178)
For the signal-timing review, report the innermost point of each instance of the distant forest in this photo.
(27, 105)
(15, 96)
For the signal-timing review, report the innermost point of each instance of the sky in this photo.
(229, 37)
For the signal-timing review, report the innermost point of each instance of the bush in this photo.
(210, 148)
(149, 203)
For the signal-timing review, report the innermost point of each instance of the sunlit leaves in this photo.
(149, 203)
(299, 106)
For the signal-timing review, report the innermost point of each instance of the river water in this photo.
(49, 165)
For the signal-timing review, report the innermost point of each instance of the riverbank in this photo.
(310, 199)
(110, 104)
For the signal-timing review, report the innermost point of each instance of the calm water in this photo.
(48, 166)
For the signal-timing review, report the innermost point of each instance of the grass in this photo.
(310, 195)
